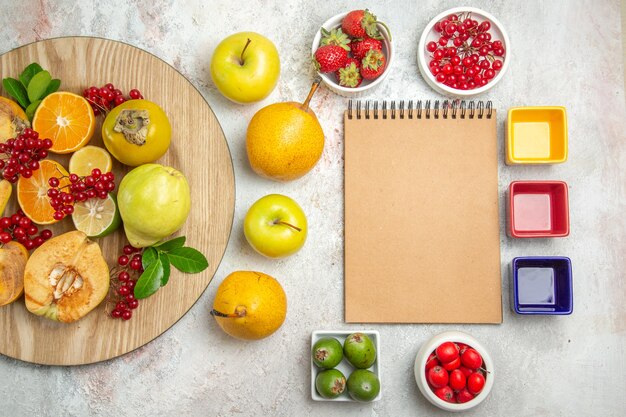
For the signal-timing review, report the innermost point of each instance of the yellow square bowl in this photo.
(536, 135)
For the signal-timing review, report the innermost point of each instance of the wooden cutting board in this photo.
(199, 150)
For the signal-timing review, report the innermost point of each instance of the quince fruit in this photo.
(13, 258)
(66, 278)
(154, 202)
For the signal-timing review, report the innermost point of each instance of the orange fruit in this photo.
(32, 192)
(67, 119)
(12, 119)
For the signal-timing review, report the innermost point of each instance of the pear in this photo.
(285, 140)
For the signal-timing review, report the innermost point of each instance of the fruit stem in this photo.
(316, 83)
(239, 312)
(289, 224)
(243, 51)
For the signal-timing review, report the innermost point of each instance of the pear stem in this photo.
(316, 84)
(232, 315)
(243, 51)
(289, 224)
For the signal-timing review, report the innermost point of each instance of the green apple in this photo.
(245, 67)
(275, 226)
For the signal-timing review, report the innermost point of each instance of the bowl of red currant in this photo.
(463, 52)
(454, 371)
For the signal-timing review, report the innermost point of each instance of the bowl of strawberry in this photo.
(352, 52)
(463, 52)
(454, 371)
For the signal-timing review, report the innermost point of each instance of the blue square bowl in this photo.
(542, 285)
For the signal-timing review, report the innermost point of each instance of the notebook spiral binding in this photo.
(445, 109)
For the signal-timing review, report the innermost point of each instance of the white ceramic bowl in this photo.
(366, 86)
(344, 366)
(420, 366)
(429, 34)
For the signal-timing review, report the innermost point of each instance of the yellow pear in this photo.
(250, 305)
(285, 140)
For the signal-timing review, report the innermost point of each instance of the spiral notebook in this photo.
(422, 238)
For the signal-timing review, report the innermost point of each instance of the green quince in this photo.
(154, 202)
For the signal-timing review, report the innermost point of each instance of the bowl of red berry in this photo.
(463, 52)
(352, 52)
(454, 371)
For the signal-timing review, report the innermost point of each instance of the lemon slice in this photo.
(97, 217)
(89, 157)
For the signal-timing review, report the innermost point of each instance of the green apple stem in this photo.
(316, 84)
(243, 51)
(288, 224)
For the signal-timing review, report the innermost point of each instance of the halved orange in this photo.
(67, 119)
(32, 193)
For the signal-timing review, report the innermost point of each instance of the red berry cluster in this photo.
(466, 56)
(21, 155)
(97, 184)
(20, 228)
(455, 373)
(106, 97)
(124, 279)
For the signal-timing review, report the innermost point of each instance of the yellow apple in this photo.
(245, 67)
(275, 226)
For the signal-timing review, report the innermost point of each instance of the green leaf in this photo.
(29, 72)
(38, 85)
(16, 90)
(188, 260)
(150, 281)
(165, 261)
(171, 244)
(30, 110)
(148, 256)
(52, 87)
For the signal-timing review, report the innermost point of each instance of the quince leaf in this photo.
(166, 268)
(150, 280)
(169, 245)
(149, 255)
(188, 260)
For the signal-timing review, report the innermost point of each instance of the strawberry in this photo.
(335, 37)
(360, 47)
(349, 75)
(373, 64)
(329, 58)
(361, 23)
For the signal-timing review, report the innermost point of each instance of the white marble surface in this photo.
(564, 53)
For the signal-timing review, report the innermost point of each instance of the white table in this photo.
(564, 53)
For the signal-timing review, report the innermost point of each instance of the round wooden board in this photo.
(199, 150)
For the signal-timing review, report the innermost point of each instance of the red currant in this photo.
(134, 94)
(5, 237)
(123, 260)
